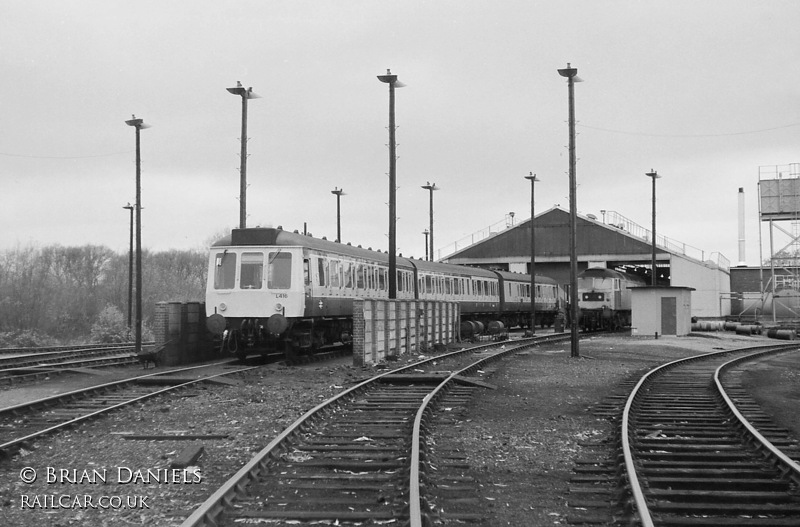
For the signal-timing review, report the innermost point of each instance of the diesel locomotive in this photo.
(604, 298)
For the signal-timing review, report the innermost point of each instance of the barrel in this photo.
(467, 329)
(746, 329)
(495, 327)
(731, 326)
(782, 334)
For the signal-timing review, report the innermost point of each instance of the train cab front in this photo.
(253, 296)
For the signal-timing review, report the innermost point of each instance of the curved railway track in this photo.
(696, 454)
(361, 457)
(26, 422)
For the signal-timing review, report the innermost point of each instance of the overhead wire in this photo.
(30, 156)
(650, 134)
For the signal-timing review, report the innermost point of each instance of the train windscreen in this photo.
(224, 270)
(279, 271)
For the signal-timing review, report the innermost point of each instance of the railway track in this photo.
(696, 453)
(26, 422)
(31, 364)
(364, 456)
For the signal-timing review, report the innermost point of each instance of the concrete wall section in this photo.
(390, 328)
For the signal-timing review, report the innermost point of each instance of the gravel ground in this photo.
(521, 438)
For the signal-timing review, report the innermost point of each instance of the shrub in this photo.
(110, 327)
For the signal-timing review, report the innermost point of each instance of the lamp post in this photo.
(654, 175)
(430, 188)
(571, 74)
(139, 125)
(425, 232)
(533, 179)
(339, 193)
(245, 94)
(393, 83)
(130, 268)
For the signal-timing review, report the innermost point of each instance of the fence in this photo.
(391, 328)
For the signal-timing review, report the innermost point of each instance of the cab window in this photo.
(252, 271)
(279, 270)
(224, 270)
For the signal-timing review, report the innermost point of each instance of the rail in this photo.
(49, 402)
(791, 467)
(637, 493)
(208, 512)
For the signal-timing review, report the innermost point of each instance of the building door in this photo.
(669, 316)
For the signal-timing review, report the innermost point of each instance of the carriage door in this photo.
(669, 316)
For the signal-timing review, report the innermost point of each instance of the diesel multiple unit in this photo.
(270, 289)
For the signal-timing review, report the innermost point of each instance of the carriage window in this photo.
(381, 279)
(252, 271)
(322, 270)
(360, 276)
(400, 276)
(279, 271)
(336, 273)
(224, 270)
(348, 275)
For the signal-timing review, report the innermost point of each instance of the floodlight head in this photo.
(532, 177)
(242, 91)
(138, 123)
(569, 72)
(388, 78)
(653, 174)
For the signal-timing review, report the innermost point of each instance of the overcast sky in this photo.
(704, 92)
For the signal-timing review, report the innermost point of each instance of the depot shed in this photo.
(659, 310)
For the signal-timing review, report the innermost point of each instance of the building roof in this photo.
(552, 239)
(596, 240)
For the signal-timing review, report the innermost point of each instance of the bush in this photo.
(110, 327)
(25, 339)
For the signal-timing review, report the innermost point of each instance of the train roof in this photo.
(268, 236)
(521, 277)
(437, 267)
(602, 272)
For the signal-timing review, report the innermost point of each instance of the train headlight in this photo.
(223, 306)
(278, 307)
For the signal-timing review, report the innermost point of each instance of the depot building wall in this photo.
(711, 284)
